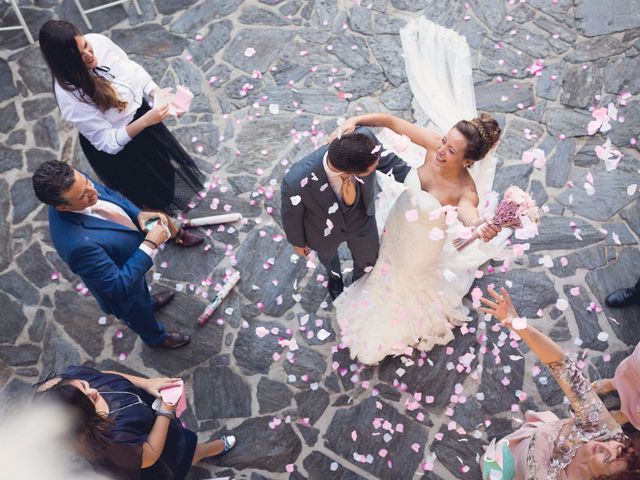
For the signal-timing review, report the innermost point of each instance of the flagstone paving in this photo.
(270, 78)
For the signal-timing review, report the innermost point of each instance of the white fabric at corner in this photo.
(107, 130)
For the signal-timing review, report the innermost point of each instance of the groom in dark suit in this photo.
(328, 197)
(98, 233)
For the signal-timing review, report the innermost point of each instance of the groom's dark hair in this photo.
(353, 153)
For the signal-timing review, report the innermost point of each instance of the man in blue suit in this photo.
(97, 232)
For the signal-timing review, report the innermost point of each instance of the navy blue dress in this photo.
(132, 425)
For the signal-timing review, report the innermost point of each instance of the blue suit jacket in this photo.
(104, 254)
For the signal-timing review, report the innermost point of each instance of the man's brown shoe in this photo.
(185, 238)
(175, 340)
(161, 299)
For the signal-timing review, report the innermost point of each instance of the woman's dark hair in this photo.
(90, 430)
(51, 180)
(353, 153)
(481, 133)
(631, 455)
(60, 51)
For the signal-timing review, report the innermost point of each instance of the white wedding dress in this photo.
(412, 298)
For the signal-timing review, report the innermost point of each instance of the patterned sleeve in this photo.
(591, 415)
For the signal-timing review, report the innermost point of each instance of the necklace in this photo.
(138, 401)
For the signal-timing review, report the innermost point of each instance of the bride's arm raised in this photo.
(418, 135)
(470, 217)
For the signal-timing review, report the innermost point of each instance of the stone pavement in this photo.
(269, 366)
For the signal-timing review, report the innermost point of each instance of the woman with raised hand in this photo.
(105, 96)
(589, 445)
(115, 427)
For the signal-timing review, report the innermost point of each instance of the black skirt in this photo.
(152, 170)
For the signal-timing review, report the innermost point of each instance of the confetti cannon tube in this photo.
(211, 220)
(217, 300)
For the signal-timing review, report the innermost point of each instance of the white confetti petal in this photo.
(631, 189)
(295, 200)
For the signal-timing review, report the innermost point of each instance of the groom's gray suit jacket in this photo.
(305, 221)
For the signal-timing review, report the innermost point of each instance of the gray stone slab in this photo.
(619, 273)
(320, 467)
(259, 251)
(568, 122)
(5, 224)
(261, 16)
(622, 133)
(169, 7)
(514, 142)
(272, 396)
(254, 354)
(586, 320)
(596, 48)
(34, 109)
(46, 134)
(503, 61)
(388, 51)
(428, 378)
(216, 38)
(307, 366)
(34, 266)
(8, 89)
(513, 175)
(504, 97)
(594, 18)
(359, 20)
(58, 352)
(13, 319)
(267, 43)
(149, 39)
(620, 74)
(454, 446)
(409, 5)
(196, 17)
(8, 118)
(588, 258)
(580, 85)
(364, 81)
(349, 49)
(527, 40)
(220, 393)
(270, 449)
(9, 158)
(397, 98)
(20, 355)
(15, 285)
(79, 315)
(360, 419)
(559, 163)
(33, 71)
(181, 316)
(619, 234)
(557, 233)
(610, 191)
(23, 199)
(586, 156)
(312, 404)
(632, 216)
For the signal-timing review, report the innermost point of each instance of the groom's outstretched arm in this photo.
(391, 162)
(292, 211)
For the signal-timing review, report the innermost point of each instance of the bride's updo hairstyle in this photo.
(481, 133)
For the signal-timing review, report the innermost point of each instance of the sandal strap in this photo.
(227, 445)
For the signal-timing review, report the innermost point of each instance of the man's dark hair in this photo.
(52, 179)
(353, 153)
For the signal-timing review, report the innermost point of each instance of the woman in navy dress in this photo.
(116, 429)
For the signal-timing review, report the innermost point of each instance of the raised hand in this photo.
(154, 385)
(347, 127)
(502, 309)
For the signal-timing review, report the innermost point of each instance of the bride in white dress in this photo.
(413, 295)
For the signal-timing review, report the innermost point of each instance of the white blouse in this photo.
(107, 130)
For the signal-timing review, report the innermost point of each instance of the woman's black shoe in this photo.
(622, 298)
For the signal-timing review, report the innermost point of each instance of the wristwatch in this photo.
(166, 413)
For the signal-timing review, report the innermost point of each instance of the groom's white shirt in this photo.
(334, 177)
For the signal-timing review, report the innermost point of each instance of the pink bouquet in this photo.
(515, 204)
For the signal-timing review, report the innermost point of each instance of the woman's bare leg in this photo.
(207, 449)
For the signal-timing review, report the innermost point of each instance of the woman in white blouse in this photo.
(104, 95)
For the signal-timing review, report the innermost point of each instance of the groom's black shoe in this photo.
(335, 286)
(622, 298)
